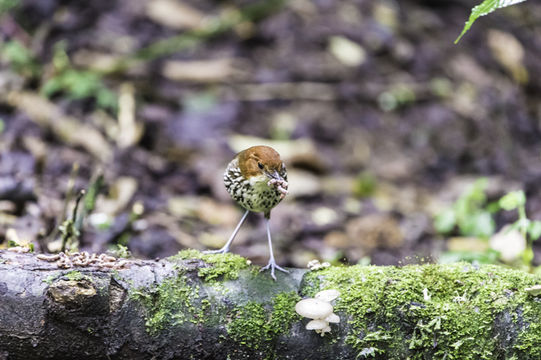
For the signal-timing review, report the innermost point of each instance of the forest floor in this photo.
(382, 121)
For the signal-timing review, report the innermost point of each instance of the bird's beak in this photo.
(274, 175)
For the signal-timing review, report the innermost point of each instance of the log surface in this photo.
(172, 309)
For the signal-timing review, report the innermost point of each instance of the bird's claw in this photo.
(272, 265)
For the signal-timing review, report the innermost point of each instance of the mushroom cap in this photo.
(317, 325)
(332, 318)
(534, 290)
(328, 295)
(313, 308)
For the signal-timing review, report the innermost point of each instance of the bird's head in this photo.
(261, 162)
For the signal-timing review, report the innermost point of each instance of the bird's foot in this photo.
(219, 251)
(272, 265)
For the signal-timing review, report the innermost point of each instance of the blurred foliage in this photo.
(71, 227)
(486, 257)
(530, 229)
(486, 7)
(6, 5)
(77, 84)
(470, 214)
(364, 185)
(397, 96)
(19, 57)
(81, 84)
(200, 102)
(252, 12)
(68, 229)
(120, 251)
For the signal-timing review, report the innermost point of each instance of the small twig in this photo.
(90, 200)
(68, 228)
(69, 194)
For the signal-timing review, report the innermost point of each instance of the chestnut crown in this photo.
(259, 160)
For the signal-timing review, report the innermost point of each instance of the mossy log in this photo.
(195, 306)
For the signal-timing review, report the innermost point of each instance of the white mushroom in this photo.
(317, 325)
(534, 290)
(316, 265)
(332, 318)
(313, 264)
(320, 310)
(314, 308)
(327, 295)
(326, 329)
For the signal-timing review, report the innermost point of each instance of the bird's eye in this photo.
(260, 165)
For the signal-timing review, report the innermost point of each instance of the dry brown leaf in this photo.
(509, 53)
(74, 132)
(174, 14)
(130, 131)
(202, 71)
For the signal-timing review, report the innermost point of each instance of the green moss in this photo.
(171, 303)
(177, 300)
(390, 316)
(75, 276)
(256, 327)
(247, 327)
(283, 313)
(51, 278)
(529, 341)
(223, 266)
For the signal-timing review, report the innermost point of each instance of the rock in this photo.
(346, 51)
(374, 231)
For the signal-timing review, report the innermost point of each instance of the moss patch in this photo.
(178, 300)
(173, 302)
(75, 276)
(256, 327)
(391, 314)
(51, 278)
(223, 266)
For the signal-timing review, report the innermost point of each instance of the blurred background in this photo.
(399, 143)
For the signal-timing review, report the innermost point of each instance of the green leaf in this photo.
(51, 86)
(445, 221)
(513, 200)
(513, 226)
(534, 230)
(527, 256)
(81, 84)
(486, 7)
(19, 57)
(107, 99)
(7, 5)
(478, 224)
(523, 224)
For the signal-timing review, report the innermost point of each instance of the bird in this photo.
(256, 179)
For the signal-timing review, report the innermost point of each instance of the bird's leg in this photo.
(225, 248)
(272, 263)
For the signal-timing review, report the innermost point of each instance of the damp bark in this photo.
(195, 306)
